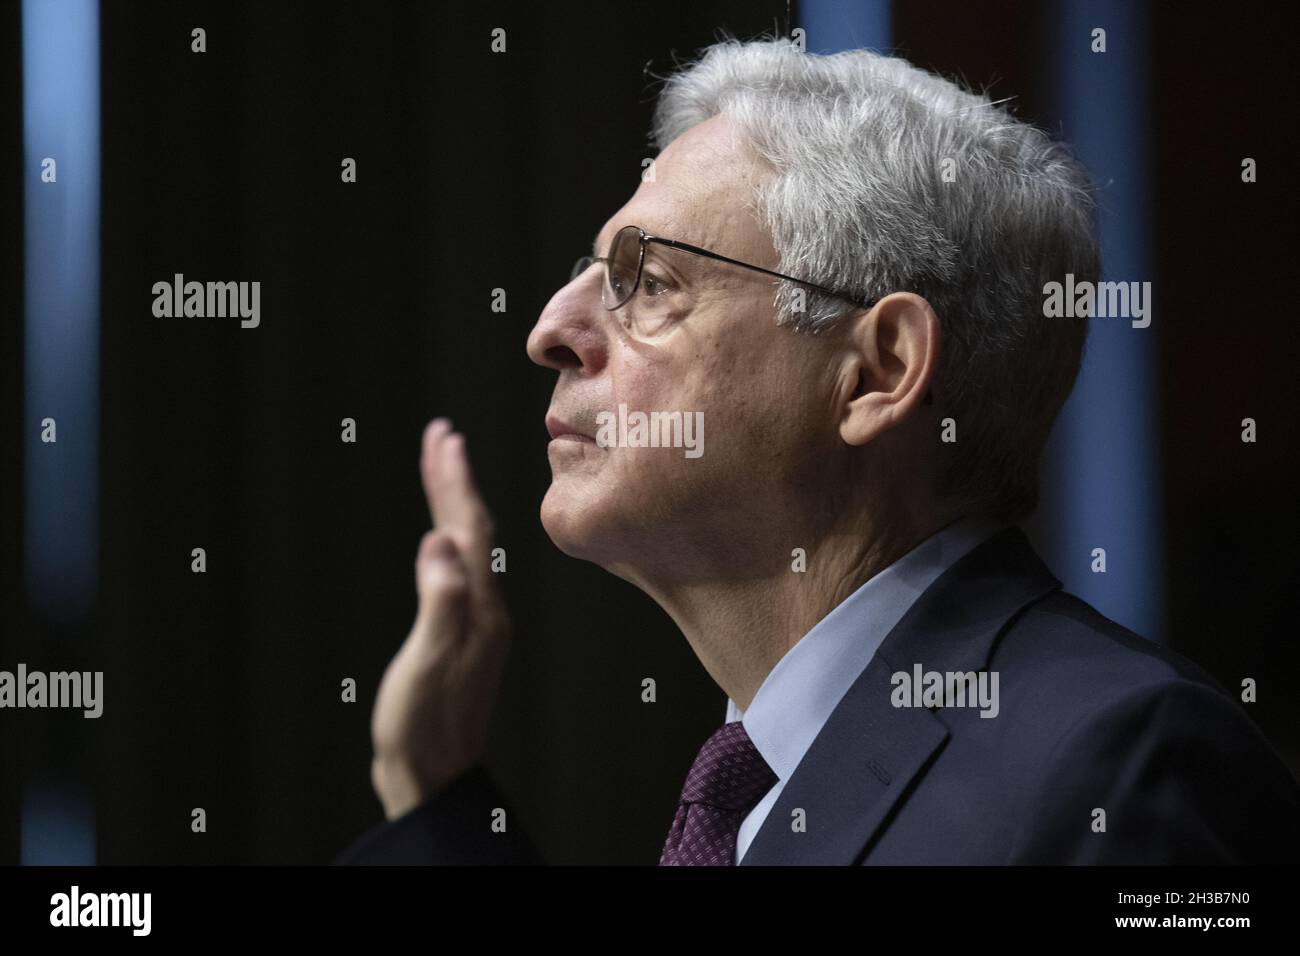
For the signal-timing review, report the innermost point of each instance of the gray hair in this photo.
(859, 144)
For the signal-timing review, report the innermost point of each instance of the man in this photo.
(838, 260)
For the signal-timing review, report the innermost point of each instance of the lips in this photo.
(558, 428)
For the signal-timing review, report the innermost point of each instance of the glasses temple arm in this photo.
(687, 247)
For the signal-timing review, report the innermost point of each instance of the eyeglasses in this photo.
(625, 273)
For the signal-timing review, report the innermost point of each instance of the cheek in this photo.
(650, 383)
(731, 387)
(740, 386)
(762, 416)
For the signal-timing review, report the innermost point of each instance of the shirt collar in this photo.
(800, 692)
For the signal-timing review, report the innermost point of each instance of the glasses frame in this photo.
(644, 239)
(586, 262)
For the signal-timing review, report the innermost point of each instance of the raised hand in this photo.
(437, 696)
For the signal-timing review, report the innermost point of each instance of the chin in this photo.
(585, 520)
(566, 523)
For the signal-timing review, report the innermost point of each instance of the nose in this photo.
(570, 333)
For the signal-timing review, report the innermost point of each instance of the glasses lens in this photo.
(622, 265)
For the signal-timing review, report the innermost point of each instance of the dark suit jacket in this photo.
(1091, 716)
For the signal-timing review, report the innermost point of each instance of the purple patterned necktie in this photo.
(728, 777)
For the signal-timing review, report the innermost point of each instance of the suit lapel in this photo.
(869, 751)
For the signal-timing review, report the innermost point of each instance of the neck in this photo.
(741, 618)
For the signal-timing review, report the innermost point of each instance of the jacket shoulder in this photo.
(1148, 758)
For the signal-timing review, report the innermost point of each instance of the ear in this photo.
(891, 353)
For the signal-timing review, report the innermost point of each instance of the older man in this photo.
(838, 267)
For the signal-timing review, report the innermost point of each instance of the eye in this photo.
(653, 285)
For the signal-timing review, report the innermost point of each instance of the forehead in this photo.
(702, 193)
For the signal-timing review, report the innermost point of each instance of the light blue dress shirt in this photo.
(800, 692)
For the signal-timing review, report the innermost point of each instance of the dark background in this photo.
(478, 171)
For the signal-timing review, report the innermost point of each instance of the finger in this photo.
(459, 501)
(458, 510)
(470, 522)
(443, 588)
(430, 443)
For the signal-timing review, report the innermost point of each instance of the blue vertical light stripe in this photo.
(835, 25)
(58, 824)
(60, 45)
(1102, 476)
